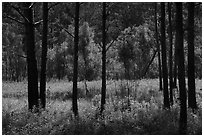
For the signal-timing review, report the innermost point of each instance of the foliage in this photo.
(13, 54)
(134, 48)
(129, 26)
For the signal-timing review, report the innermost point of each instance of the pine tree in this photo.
(31, 59)
(181, 69)
(158, 48)
(164, 62)
(76, 42)
(103, 89)
(44, 56)
(191, 63)
(170, 56)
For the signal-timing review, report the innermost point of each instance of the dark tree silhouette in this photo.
(146, 68)
(181, 69)
(31, 59)
(44, 56)
(75, 76)
(170, 56)
(158, 48)
(103, 89)
(191, 63)
(164, 62)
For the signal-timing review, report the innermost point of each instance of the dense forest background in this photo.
(102, 68)
(130, 32)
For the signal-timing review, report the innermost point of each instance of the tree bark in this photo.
(103, 89)
(44, 56)
(31, 59)
(170, 56)
(164, 62)
(191, 63)
(158, 48)
(181, 69)
(76, 42)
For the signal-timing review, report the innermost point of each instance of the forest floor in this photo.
(142, 114)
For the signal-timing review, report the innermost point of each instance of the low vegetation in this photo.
(140, 113)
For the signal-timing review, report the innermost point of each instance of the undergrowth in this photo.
(140, 113)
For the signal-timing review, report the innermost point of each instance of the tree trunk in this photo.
(6, 68)
(181, 69)
(175, 63)
(191, 64)
(103, 89)
(164, 62)
(76, 42)
(170, 56)
(44, 56)
(31, 59)
(158, 48)
(86, 64)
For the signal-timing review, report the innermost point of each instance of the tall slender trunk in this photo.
(6, 68)
(31, 59)
(44, 56)
(164, 62)
(76, 42)
(170, 56)
(175, 63)
(191, 63)
(181, 69)
(158, 49)
(103, 89)
(85, 71)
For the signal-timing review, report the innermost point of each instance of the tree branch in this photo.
(20, 22)
(32, 4)
(147, 66)
(68, 32)
(20, 13)
(37, 23)
(110, 45)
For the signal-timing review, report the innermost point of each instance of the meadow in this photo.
(141, 113)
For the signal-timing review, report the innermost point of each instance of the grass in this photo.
(143, 115)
